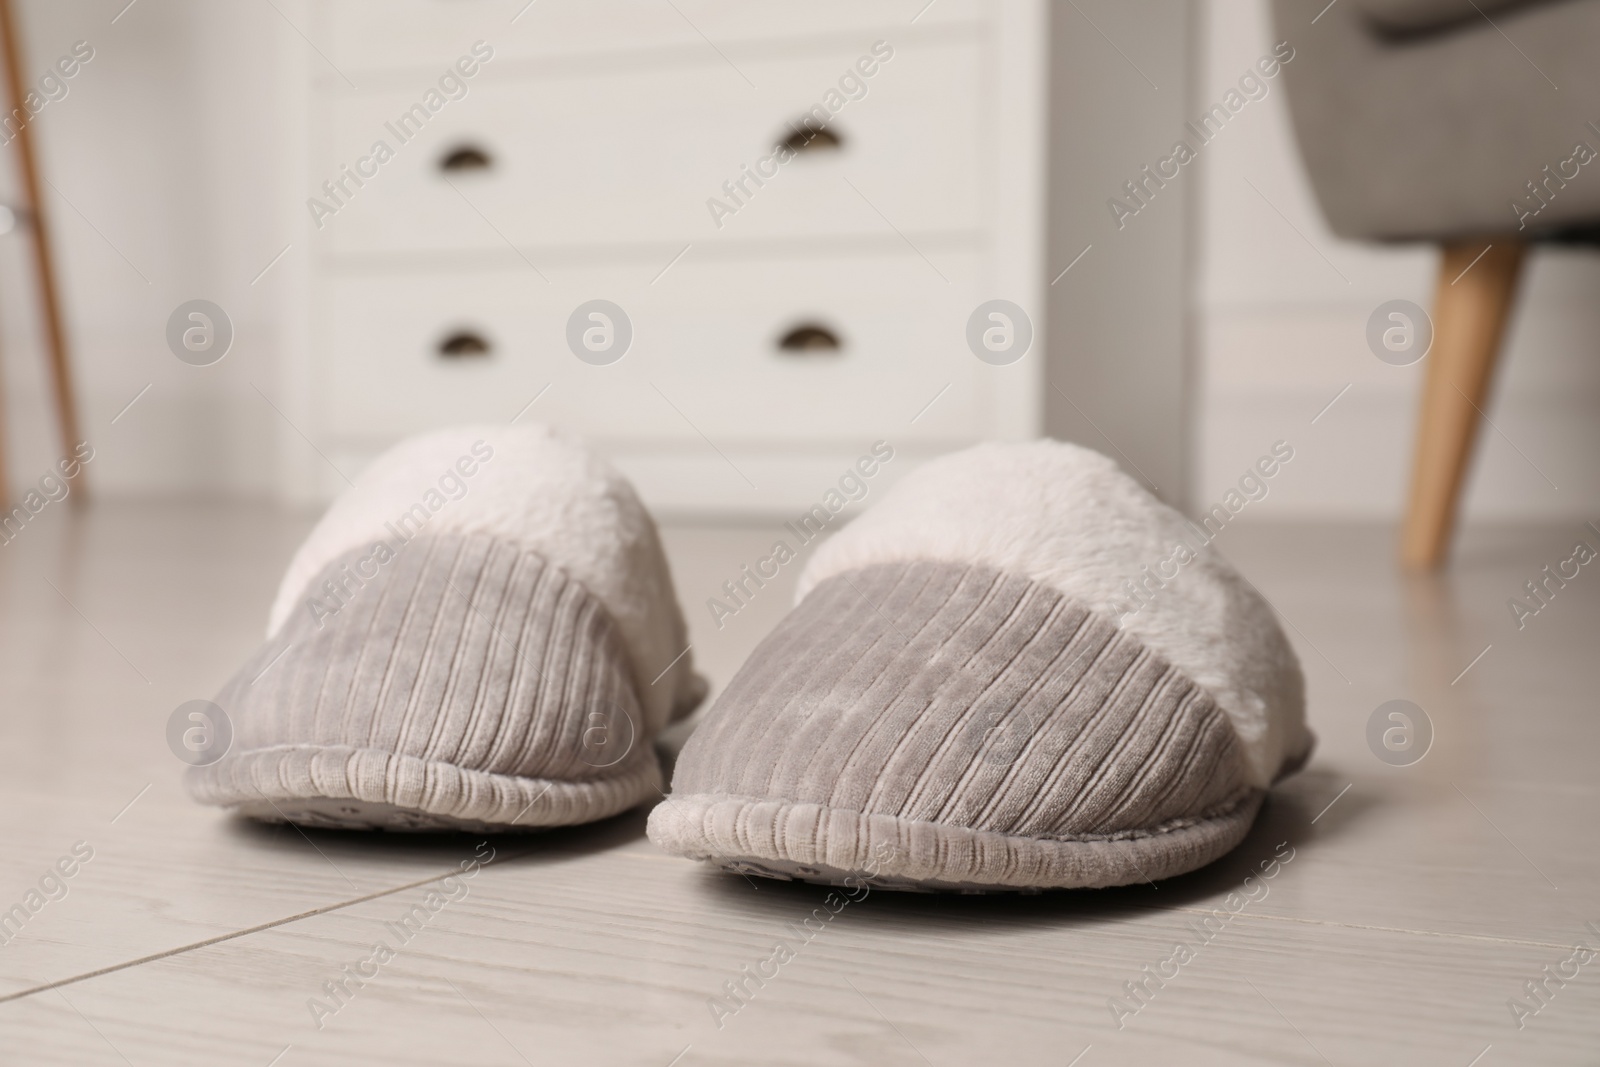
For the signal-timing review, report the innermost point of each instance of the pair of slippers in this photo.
(1012, 673)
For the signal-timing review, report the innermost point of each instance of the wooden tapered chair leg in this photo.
(43, 258)
(1470, 310)
(5, 480)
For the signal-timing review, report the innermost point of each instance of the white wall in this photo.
(157, 152)
(1279, 333)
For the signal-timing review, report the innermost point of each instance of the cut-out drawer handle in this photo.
(465, 159)
(463, 344)
(809, 338)
(806, 136)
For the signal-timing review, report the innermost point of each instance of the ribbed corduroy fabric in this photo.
(466, 683)
(977, 728)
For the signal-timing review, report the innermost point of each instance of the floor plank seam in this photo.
(219, 939)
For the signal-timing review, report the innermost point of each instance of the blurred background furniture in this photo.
(770, 344)
(18, 127)
(1427, 120)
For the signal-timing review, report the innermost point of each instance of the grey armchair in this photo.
(1470, 123)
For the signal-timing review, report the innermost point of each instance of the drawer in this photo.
(361, 36)
(705, 357)
(629, 157)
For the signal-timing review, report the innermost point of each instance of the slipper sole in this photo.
(832, 846)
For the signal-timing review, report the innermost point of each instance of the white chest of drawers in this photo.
(613, 149)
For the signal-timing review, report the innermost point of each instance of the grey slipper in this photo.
(480, 634)
(1018, 671)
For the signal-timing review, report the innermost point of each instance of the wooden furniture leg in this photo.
(5, 479)
(60, 371)
(1469, 317)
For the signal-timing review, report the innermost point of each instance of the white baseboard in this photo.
(779, 487)
(680, 483)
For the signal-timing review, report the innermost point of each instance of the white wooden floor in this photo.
(1418, 902)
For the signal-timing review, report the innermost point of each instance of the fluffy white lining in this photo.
(1067, 517)
(543, 491)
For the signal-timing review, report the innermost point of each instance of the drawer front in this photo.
(640, 156)
(706, 360)
(360, 36)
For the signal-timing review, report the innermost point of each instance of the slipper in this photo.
(480, 634)
(1018, 671)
